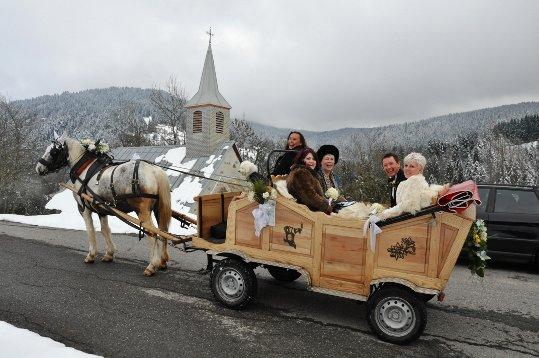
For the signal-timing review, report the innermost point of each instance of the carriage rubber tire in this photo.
(233, 283)
(426, 297)
(396, 315)
(283, 274)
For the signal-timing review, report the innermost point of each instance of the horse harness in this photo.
(98, 164)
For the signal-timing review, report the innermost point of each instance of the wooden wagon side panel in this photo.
(404, 247)
(292, 232)
(245, 227)
(461, 224)
(343, 254)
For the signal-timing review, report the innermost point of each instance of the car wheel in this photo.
(283, 274)
(233, 283)
(396, 315)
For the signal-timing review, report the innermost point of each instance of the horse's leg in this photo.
(164, 247)
(144, 215)
(87, 216)
(110, 249)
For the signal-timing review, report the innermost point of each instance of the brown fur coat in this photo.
(305, 187)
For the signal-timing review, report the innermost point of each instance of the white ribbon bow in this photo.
(264, 216)
(375, 230)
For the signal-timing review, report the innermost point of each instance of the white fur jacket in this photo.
(413, 194)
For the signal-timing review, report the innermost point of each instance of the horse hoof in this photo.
(107, 258)
(163, 267)
(148, 273)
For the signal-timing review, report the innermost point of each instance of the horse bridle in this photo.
(58, 154)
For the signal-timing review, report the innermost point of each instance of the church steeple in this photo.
(209, 113)
(208, 90)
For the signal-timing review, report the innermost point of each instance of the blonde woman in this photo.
(414, 193)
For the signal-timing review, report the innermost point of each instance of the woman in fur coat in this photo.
(414, 193)
(303, 184)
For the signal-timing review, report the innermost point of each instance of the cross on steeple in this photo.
(211, 34)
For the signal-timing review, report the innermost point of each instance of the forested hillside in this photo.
(487, 145)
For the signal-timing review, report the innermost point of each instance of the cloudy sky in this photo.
(305, 64)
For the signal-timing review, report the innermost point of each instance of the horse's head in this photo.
(55, 157)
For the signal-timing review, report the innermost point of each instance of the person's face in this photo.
(294, 140)
(328, 162)
(391, 167)
(309, 161)
(412, 168)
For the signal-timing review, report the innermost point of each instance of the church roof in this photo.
(210, 170)
(208, 91)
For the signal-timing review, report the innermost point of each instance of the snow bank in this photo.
(18, 342)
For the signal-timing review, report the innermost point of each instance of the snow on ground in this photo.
(18, 342)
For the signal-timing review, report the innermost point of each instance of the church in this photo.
(209, 153)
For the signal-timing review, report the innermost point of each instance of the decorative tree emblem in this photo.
(290, 232)
(403, 248)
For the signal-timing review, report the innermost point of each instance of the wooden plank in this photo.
(434, 246)
(317, 253)
(456, 248)
(418, 280)
(343, 253)
(448, 235)
(340, 285)
(245, 227)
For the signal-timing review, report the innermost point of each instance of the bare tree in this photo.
(20, 191)
(131, 130)
(170, 103)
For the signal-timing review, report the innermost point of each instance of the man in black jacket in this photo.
(392, 167)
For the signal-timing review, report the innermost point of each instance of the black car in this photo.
(511, 214)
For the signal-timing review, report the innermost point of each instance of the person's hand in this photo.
(444, 190)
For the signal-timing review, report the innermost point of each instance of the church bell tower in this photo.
(208, 120)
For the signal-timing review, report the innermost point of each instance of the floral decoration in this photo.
(95, 146)
(476, 247)
(376, 209)
(261, 192)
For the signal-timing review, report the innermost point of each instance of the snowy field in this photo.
(18, 342)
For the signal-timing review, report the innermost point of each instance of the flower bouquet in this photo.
(476, 247)
(97, 147)
(332, 194)
(261, 192)
(376, 209)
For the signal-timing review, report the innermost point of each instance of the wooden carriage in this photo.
(406, 264)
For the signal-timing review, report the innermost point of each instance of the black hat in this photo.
(328, 149)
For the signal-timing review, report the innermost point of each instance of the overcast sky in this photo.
(304, 64)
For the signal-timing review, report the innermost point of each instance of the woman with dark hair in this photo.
(303, 185)
(295, 141)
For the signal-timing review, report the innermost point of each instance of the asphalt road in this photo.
(111, 309)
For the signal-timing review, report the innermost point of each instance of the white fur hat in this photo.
(416, 157)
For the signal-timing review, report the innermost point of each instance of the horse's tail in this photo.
(165, 210)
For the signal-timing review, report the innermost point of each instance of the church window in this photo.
(197, 122)
(219, 120)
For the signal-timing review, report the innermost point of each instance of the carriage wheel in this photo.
(283, 274)
(396, 315)
(233, 283)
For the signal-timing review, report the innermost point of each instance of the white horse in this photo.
(152, 180)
